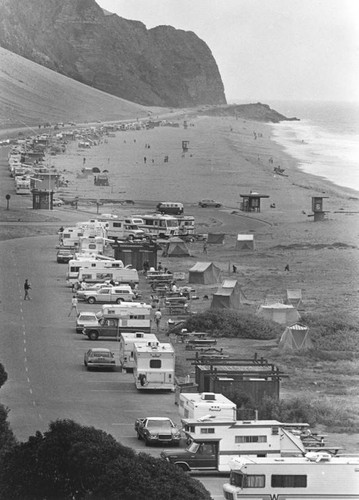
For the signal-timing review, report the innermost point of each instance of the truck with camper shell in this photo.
(206, 404)
(154, 366)
(126, 347)
(116, 319)
(108, 294)
(214, 442)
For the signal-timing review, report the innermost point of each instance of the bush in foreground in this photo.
(71, 461)
(227, 323)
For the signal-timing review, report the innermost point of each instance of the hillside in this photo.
(162, 66)
(31, 94)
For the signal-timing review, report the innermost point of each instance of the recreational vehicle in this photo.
(22, 184)
(214, 442)
(154, 366)
(186, 225)
(70, 237)
(316, 475)
(75, 265)
(195, 405)
(127, 342)
(162, 226)
(124, 229)
(121, 275)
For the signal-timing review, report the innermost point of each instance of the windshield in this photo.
(163, 424)
(193, 447)
(101, 354)
(87, 318)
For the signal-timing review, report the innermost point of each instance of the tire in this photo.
(93, 335)
(130, 237)
(204, 206)
(218, 205)
(91, 300)
(183, 466)
(118, 301)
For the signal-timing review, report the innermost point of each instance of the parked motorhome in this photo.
(214, 442)
(23, 184)
(70, 237)
(186, 225)
(161, 226)
(198, 405)
(316, 475)
(154, 366)
(126, 348)
(124, 229)
(170, 207)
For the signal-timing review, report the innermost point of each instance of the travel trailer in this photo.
(121, 275)
(154, 366)
(214, 442)
(315, 475)
(126, 349)
(84, 262)
(186, 225)
(134, 316)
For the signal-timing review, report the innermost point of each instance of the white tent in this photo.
(285, 314)
(245, 242)
(295, 337)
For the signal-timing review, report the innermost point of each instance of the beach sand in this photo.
(225, 160)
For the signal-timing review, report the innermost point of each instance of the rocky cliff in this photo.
(162, 66)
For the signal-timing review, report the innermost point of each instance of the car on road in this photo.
(86, 319)
(99, 357)
(157, 430)
(209, 203)
(57, 202)
(64, 256)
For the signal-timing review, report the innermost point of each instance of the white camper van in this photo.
(206, 404)
(154, 366)
(127, 343)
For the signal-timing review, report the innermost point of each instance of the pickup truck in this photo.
(108, 295)
(157, 430)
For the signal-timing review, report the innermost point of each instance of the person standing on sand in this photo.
(27, 287)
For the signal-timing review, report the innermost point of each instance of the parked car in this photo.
(110, 295)
(94, 287)
(99, 357)
(86, 320)
(209, 203)
(57, 202)
(64, 256)
(157, 430)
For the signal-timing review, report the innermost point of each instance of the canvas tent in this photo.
(204, 273)
(245, 242)
(285, 314)
(295, 337)
(215, 238)
(176, 247)
(228, 296)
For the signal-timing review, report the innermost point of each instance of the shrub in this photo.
(227, 323)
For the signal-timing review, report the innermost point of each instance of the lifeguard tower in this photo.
(185, 146)
(252, 202)
(317, 207)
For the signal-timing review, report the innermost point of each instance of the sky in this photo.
(267, 49)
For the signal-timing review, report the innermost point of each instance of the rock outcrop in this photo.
(162, 66)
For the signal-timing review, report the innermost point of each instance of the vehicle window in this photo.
(87, 318)
(288, 481)
(155, 363)
(163, 424)
(102, 354)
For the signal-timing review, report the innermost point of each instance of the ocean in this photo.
(325, 141)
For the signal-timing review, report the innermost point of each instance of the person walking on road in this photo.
(27, 287)
(74, 302)
(158, 316)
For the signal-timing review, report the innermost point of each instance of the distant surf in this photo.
(325, 141)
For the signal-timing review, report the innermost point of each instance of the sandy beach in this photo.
(226, 158)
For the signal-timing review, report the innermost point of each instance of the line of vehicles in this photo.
(263, 458)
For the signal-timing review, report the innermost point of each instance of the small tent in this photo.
(295, 337)
(285, 314)
(176, 247)
(215, 238)
(245, 242)
(294, 297)
(204, 273)
(228, 296)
